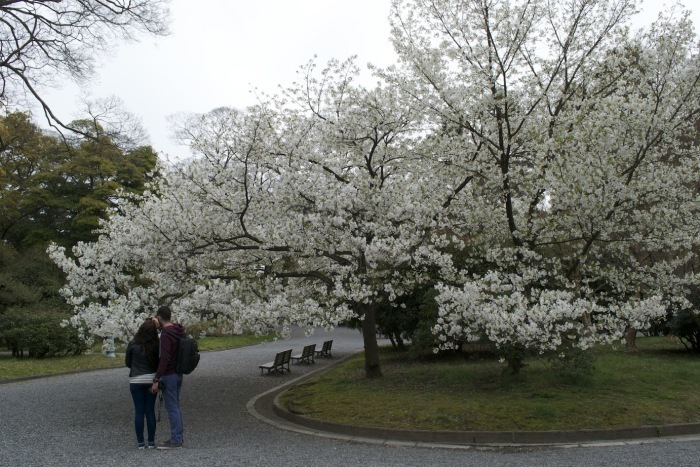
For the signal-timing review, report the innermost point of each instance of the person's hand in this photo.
(154, 388)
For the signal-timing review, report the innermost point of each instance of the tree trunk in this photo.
(399, 342)
(631, 339)
(514, 365)
(369, 336)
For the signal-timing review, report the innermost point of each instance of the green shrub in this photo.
(684, 325)
(572, 362)
(38, 333)
(32, 310)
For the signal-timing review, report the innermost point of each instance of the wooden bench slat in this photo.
(280, 363)
(325, 350)
(306, 356)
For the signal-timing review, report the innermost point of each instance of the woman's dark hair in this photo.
(147, 336)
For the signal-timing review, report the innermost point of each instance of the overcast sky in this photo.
(219, 50)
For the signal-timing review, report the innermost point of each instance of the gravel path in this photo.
(86, 420)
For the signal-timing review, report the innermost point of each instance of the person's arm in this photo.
(167, 342)
(166, 350)
(127, 357)
(154, 359)
(163, 356)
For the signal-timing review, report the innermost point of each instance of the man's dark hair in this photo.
(164, 312)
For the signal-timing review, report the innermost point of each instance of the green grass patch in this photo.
(11, 367)
(210, 343)
(659, 384)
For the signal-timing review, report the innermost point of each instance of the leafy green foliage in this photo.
(40, 333)
(52, 191)
(31, 309)
(684, 325)
(58, 191)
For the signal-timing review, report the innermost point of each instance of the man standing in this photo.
(171, 382)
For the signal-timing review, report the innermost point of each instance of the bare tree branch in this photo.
(42, 40)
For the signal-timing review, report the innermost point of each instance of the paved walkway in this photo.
(86, 420)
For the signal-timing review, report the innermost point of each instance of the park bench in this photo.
(306, 355)
(325, 350)
(280, 363)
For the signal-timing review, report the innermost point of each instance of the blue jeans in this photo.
(171, 400)
(144, 406)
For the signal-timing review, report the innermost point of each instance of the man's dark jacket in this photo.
(168, 349)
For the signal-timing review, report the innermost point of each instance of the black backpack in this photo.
(187, 357)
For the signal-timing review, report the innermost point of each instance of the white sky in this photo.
(219, 50)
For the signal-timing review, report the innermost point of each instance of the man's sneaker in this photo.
(169, 445)
(151, 445)
(142, 446)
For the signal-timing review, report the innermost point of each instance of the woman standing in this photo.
(142, 358)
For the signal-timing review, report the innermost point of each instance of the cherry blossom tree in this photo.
(540, 140)
(581, 207)
(307, 210)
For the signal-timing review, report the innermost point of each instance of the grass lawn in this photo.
(660, 384)
(11, 367)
